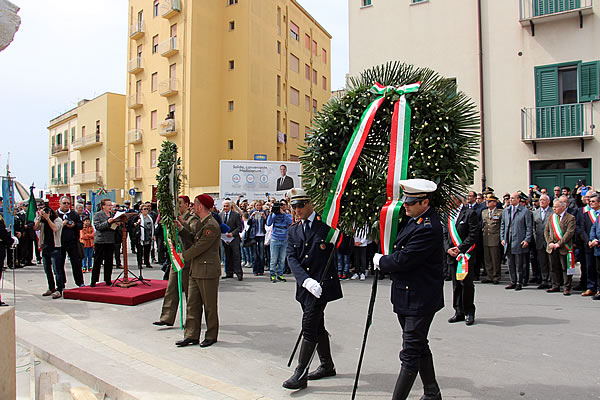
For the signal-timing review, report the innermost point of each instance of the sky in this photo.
(61, 55)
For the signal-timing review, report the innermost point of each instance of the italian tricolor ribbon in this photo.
(462, 267)
(591, 213)
(174, 252)
(555, 222)
(398, 161)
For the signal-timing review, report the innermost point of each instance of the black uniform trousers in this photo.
(72, 249)
(415, 345)
(233, 263)
(103, 253)
(313, 321)
(463, 297)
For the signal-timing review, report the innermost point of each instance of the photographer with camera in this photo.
(50, 226)
(69, 241)
(281, 222)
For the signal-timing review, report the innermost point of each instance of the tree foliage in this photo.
(169, 181)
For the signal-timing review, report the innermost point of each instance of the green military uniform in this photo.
(492, 247)
(171, 300)
(205, 270)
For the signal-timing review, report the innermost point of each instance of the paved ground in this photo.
(528, 344)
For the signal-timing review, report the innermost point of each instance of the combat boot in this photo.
(299, 379)
(404, 384)
(326, 368)
(430, 386)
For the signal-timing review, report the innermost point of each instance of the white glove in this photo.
(376, 259)
(15, 242)
(313, 287)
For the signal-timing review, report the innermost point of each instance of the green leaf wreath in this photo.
(167, 191)
(444, 143)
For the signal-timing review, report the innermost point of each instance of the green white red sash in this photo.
(462, 267)
(591, 213)
(176, 257)
(398, 162)
(555, 223)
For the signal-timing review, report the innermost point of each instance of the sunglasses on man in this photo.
(299, 204)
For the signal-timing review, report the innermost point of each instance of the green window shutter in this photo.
(546, 86)
(66, 136)
(72, 168)
(53, 140)
(65, 172)
(589, 80)
(53, 172)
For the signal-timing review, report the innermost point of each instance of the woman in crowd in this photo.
(145, 234)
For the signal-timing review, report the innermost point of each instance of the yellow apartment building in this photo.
(531, 66)
(223, 79)
(87, 147)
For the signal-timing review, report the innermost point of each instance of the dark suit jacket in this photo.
(235, 225)
(308, 258)
(584, 225)
(468, 228)
(520, 229)
(416, 266)
(286, 184)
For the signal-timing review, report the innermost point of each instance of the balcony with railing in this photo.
(136, 30)
(168, 47)
(167, 127)
(135, 101)
(135, 65)
(170, 8)
(59, 148)
(134, 136)
(533, 12)
(134, 173)
(562, 122)
(168, 88)
(87, 177)
(87, 141)
(58, 182)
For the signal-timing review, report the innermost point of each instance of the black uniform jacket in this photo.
(307, 258)
(468, 228)
(416, 266)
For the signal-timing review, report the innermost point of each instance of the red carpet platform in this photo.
(115, 295)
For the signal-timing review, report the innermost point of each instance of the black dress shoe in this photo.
(470, 319)
(511, 286)
(227, 277)
(240, 277)
(186, 342)
(457, 318)
(208, 342)
(543, 286)
(518, 287)
(486, 281)
(161, 323)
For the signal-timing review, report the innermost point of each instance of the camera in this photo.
(276, 208)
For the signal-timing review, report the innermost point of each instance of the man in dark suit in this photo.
(309, 257)
(478, 207)
(284, 182)
(586, 217)
(232, 249)
(460, 244)
(416, 270)
(516, 231)
(540, 218)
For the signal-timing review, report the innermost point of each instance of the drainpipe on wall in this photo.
(481, 114)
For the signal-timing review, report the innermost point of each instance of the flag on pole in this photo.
(32, 206)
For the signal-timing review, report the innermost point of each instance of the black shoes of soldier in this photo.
(208, 342)
(323, 371)
(300, 377)
(456, 318)
(404, 383)
(186, 342)
(161, 323)
(470, 319)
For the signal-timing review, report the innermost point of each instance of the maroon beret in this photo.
(206, 200)
(186, 199)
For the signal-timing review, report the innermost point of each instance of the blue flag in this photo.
(8, 195)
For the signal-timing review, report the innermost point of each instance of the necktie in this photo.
(306, 226)
(226, 217)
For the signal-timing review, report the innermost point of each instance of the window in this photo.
(172, 74)
(138, 158)
(589, 81)
(307, 103)
(230, 145)
(315, 76)
(97, 126)
(324, 55)
(365, 3)
(65, 173)
(278, 89)
(138, 122)
(294, 129)
(54, 167)
(232, 2)
(324, 83)
(294, 31)
(155, 8)
(72, 168)
(278, 121)
(153, 119)
(83, 131)
(307, 71)
(278, 47)
(139, 50)
(173, 32)
(83, 167)
(294, 96)
(153, 158)
(307, 41)
(279, 20)
(72, 134)
(66, 137)
(314, 47)
(58, 139)
(171, 111)
(53, 140)
(294, 63)
(314, 106)
(154, 82)
(231, 64)
(417, 1)
(231, 25)
(97, 165)
(59, 173)
(154, 44)
(230, 105)
(567, 83)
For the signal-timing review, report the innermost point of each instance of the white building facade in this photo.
(531, 66)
